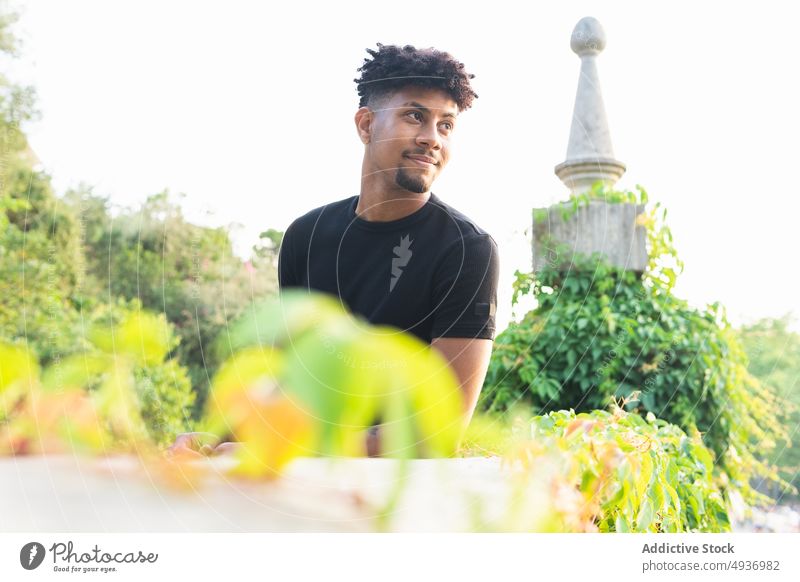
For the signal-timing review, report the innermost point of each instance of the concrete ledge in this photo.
(118, 494)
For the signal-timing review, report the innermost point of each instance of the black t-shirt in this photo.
(433, 273)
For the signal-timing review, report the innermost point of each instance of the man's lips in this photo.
(423, 161)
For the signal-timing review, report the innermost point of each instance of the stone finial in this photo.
(590, 156)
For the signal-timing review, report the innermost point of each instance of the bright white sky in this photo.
(248, 109)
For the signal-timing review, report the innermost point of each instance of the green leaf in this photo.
(673, 495)
(621, 524)
(284, 320)
(324, 370)
(252, 373)
(645, 473)
(398, 440)
(645, 517)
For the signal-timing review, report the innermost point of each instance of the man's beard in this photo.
(411, 182)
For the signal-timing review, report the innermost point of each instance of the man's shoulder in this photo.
(465, 227)
(311, 219)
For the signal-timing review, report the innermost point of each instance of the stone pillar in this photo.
(590, 156)
(597, 226)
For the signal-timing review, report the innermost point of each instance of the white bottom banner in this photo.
(398, 557)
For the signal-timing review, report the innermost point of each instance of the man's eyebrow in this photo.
(425, 109)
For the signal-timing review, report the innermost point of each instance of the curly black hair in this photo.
(393, 67)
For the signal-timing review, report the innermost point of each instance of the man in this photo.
(397, 254)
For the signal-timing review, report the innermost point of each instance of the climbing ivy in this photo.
(599, 332)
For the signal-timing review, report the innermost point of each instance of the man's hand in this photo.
(199, 444)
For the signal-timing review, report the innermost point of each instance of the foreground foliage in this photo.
(634, 474)
(601, 471)
(305, 378)
(313, 383)
(91, 401)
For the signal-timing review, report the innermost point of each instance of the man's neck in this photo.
(387, 206)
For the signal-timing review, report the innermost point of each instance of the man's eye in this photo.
(449, 125)
(415, 113)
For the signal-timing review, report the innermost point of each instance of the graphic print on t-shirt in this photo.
(402, 256)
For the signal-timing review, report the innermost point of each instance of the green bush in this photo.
(599, 332)
(39, 260)
(166, 399)
(162, 387)
(773, 351)
(186, 271)
(87, 401)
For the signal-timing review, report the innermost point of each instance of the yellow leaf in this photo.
(254, 370)
(17, 365)
(274, 433)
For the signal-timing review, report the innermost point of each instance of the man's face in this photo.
(409, 141)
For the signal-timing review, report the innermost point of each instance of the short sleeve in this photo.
(465, 289)
(287, 265)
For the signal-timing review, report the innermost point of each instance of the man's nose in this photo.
(429, 137)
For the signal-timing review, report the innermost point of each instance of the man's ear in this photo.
(364, 120)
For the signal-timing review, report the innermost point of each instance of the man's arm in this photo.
(465, 294)
(469, 359)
